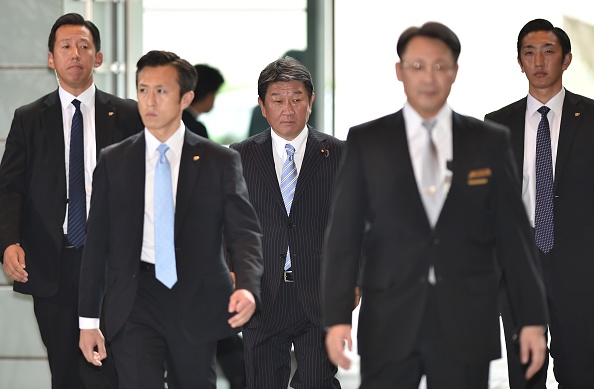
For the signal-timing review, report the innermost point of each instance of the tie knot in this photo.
(544, 110)
(76, 103)
(290, 150)
(162, 149)
(429, 124)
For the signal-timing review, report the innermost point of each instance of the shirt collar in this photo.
(175, 141)
(555, 104)
(412, 118)
(87, 98)
(279, 143)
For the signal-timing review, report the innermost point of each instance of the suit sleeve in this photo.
(242, 231)
(12, 184)
(515, 244)
(94, 260)
(344, 234)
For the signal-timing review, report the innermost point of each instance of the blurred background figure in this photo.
(209, 83)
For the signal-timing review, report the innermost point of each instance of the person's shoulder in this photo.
(115, 101)
(505, 110)
(250, 141)
(123, 146)
(40, 103)
(576, 99)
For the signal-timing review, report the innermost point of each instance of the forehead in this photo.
(540, 38)
(425, 48)
(70, 31)
(165, 75)
(285, 88)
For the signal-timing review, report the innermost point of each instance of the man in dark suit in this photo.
(544, 53)
(289, 169)
(35, 188)
(230, 354)
(209, 83)
(429, 195)
(157, 258)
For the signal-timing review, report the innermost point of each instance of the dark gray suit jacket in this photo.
(304, 229)
(211, 204)
(572, 254)
(33, 180)
(377, 207)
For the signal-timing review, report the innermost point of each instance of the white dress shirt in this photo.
(531, 128)
(280, 154)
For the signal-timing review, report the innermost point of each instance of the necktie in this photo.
(287, 187)
(77, 197)
(430, 182)
(543, 217)
(165, 269)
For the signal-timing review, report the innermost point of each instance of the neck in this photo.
(543, 95)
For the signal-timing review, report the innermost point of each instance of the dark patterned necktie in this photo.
(77, 197)
(543, 217)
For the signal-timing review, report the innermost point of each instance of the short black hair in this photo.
(544, 25)
(209, 81)
(284, 69)
(186, 74)
(432, 30)
(74, 19)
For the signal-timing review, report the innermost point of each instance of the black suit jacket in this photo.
(303, 230)
(377, 205)
(194, 125)
(211, 199)
(33, 181)
(572, 254)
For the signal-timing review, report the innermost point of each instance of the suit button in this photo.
(422, 280)
(134, 275)
(436, 241)
(291, 225)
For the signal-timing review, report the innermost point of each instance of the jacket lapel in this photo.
(261, 151)
(517, 126)
(189, 166)
(52, 124)
(311, 160)
(104, 120)
(570, 121)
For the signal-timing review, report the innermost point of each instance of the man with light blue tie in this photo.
(289, 169)
(163, 202)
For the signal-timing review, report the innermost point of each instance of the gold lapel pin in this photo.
(196, 157)
(111, 113)
(577, 113)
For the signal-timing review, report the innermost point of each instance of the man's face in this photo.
(74, 58)
(287, 108)
(541, 58)
(427, 71)
(159, 102)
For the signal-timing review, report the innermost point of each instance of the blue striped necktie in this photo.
(77, 197)
(543, 215)
(287, 187)
(165, 268)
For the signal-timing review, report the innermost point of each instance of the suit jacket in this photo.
(573, 209)
(377, 205)
(303, 230)
(211, 199)
(194, 125)
(33, 180)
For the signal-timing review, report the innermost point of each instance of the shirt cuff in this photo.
(88, 323)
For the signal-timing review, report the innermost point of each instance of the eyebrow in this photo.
(299, 91)
(548, 44)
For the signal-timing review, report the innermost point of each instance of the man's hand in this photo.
(89, 340)
(241, 301)
(335, 338)
(533, 347)
(14, 263)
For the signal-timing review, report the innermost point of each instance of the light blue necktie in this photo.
(543, 217)
(77, 197)
(287, 187)
(165, 269)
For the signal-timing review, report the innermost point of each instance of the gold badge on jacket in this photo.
(478, 176)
